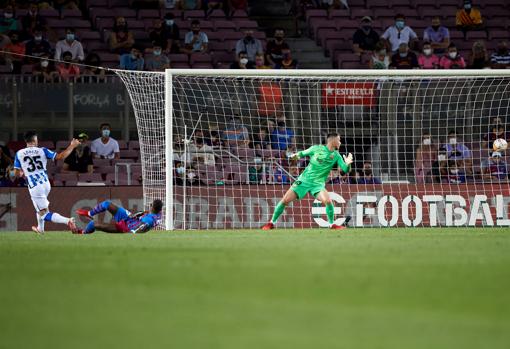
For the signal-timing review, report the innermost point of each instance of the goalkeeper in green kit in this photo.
(314, 177)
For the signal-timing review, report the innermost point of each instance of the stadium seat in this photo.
(122, 144)
(129, 154)
(217, 14)
(356, 13)
(200, 58)
(47, 144)
(90, 177)
(378, 4)
(193, 14)
(224, 24)
(97, 3)
(315, 13)
(102, 162)
(134, 145)
(149, 13)
(240, 14)
(66, 178)
(67, 13)
(243, 24)
(48, 13)
(178, 58)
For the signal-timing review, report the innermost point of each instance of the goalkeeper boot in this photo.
(268, 226)
(84, 213)
(337, 227)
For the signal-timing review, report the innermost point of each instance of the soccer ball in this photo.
(499, 145)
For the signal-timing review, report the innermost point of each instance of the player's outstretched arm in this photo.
(345, 162)
(62, 155)
(303, 153)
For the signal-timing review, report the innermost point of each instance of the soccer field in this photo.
(372, 288)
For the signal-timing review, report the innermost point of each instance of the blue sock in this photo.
(101, 207)
(90, 228)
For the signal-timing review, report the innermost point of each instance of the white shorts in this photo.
(39, 196)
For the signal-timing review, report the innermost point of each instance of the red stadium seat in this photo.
(90, 177)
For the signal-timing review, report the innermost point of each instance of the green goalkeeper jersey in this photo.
(322, 161)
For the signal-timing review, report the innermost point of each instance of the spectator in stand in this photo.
(9, 22)
(262, 139)
(282, 137)
(170, 34)
(500, 59)
(236, 5)
(440, 167)
(280, 176)
(11, 180)
(495, 169)
(211, 5)
(121, 39)
(437, 35)
(380, 58)
(105, 147)
(255, 171)
(404, 59)
(67, 70)
(44, 70)
(190, 5)
(242, 62)
(365, 37)
(80, 159)
(133, 60)
(452, 59)
(236, 133)
(368, 175)
(287, 61)
(497, 131)
(195, 40)
(456, 174)
(479, 59)
(33, 21)
(157, 61)
(38, 46)
(93, 62)
(398, 34)
(260, 62)
(202, 153)
(469, 18)
(250, 45)
(70, 44)
(274, 47)
(425, 157)
(16, 51)
(66, 4)
(427, 59)
(456, 149)
(5, 158)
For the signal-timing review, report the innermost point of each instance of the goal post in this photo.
(203, 149)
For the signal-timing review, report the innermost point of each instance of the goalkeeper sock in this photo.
(40, 222)
(55, 218)
(90, 228)
(101, 207)
(278, 212)
(330, 212)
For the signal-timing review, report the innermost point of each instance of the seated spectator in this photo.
(399, 33)
(170, 35)
(256, 171)
(404, 58)
(280, 176)
(195, 40)
(121, 39)
(365, 37)
(67, 70)
(70, 44)
(495, 169)
(455, 149)
(368, 175)
(44, 70)
(180, 173)
(479, 58)
(190, 5)
(93, 62)
(133, 60)
(331, 4)
(274, 47)
(469, 18)
(456, 174)
(440, 167)
(380, 58)
(452, 59)
(202, 153)
(32, 21)
(335, 177)
(250, 45)
(260, 62)
(497, 131)
(236, 133)
(287, 61)
(282, 137)
(427, 59)
(18, 49)
(157, 61)
(105, 147)
(80, 159)
(500, 59)
(9, 22)
(211, 5)
(242, 62)
(38, 46)
(235, 5)
(11, 180)
(262, 139)
(425, 157)
(437, 35)
(66, 4)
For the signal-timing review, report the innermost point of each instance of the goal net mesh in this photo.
(422, 148)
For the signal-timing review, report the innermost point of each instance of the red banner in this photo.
(348, 93)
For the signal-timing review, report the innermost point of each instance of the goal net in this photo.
(215, 145)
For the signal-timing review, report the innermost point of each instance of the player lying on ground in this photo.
(123, 220)
(31, 162)
(314, 177)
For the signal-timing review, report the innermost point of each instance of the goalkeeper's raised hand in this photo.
(293, 156)
(348, 159)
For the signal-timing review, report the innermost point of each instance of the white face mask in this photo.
(243, 61)
(180, 170)
(453, 140)
(8, 15)
(452, 55)
(454, 170)
(427, 141)
(441, 157)
(44, 64)
(427, 51)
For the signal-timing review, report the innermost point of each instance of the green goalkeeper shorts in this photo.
(302, 188)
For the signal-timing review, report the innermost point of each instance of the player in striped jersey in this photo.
(123, 220)
(31, 162)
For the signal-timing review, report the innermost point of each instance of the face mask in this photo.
(427, 52)
(467, 6)
(243, 60)
(403, 54)
(8, 15)
(180, 170)
(453, 140)
(435, 27)
(44, 64)
(156, 52)
(38, 38)
(452, 55)
(70, 37)
(427, 141)
(454, 171)
(366, 27)
(169, 22)
(399, 24)
(106, 133)
(441, 157)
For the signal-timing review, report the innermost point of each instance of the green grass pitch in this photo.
(371, 288)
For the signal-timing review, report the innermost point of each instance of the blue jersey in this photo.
(150, 219)
(32, 161)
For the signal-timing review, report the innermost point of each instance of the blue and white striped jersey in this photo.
(32, 161)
